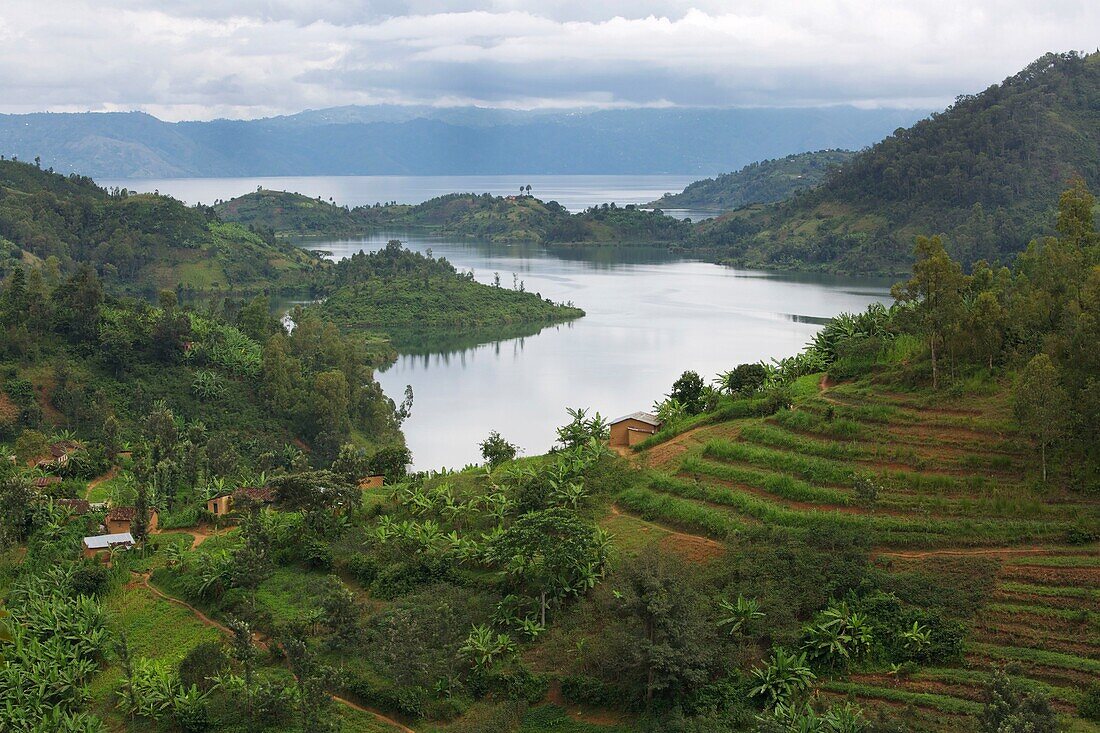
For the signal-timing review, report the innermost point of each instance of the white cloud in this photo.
(204, 58)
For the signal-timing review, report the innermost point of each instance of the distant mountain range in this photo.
(391, 140)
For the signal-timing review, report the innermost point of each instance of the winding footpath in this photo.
(380, 717)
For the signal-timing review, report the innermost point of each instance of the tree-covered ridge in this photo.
(404, 294)
(763, 182)
(521, 218)
(73, 357)
(983, 173)
(136, 242)
(285, 212)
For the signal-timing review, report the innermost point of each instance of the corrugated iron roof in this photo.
(104, 541)
(645, 417)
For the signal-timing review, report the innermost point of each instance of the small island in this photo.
(408, 296)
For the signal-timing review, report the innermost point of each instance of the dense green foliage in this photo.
(406, 294)
(138, 242)
(983, 172)
(492, 218)
(764, 182)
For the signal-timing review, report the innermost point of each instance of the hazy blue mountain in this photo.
(381, 140)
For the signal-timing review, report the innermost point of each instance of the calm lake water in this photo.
(649, 317)
(573, 192)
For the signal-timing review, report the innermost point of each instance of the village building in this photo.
(245, 496)
(632, 429)
(106, 542)
(372, 482)
(121, 519)
(220, 505)
(41, 482)
(59, 454)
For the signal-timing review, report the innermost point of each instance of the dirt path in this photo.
(261, 642)
(99, 480)
(377, 715)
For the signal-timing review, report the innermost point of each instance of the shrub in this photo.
(1089, 705)
(364, 568)
(585, 690)
(204, 661)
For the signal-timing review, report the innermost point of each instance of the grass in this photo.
(943, 703)
(681, 513)
(817, 470)
(154, 628)
(1058, 561)
(288, 593)
(781, 485)
(1036, 656)
(1052, 590)
(550, 717)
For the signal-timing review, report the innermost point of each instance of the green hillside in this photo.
(483, 217)
(136, 242)
(984, 173)
(764, 182)
(893, 531)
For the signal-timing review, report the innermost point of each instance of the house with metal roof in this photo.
(632, 429)
(106, 542)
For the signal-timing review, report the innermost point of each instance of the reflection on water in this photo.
(650, 316)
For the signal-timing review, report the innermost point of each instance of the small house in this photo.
(43, 482)
(372, 482)
(220, 505)
(121, 519)
(59, 454)
(632, 429)
(107, 542)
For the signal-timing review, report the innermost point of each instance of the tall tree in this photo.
(935, 294)
(1041, 404)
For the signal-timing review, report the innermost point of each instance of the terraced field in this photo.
(928, 483)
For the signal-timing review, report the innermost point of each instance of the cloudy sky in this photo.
(198, 59)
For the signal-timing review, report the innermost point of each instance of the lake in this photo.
(573, 192)
(650, 316)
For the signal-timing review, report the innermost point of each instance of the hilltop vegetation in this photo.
(763, 182)
(407, 295)
(983, 173)
(136, 242)
(484, 217)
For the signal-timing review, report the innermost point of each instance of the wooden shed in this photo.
(372, 482)
(632, 429)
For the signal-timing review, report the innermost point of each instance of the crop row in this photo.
(780, 485)
(943, 703)
(678, 512)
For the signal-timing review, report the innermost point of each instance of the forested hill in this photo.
(763, 182)
(136, 242)
(983, 172)
(486, 217)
